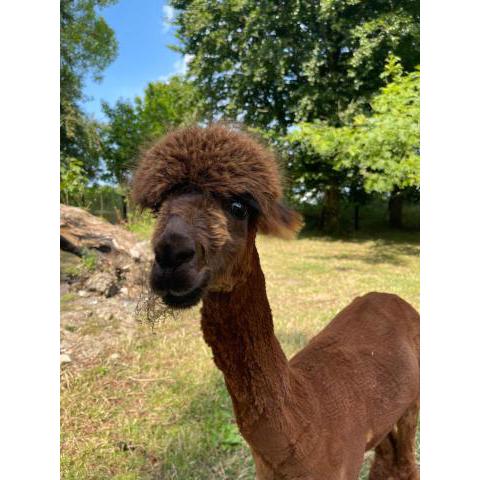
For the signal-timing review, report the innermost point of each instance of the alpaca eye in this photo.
(156, 208)
(238, 210)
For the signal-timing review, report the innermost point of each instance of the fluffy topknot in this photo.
(220, 160)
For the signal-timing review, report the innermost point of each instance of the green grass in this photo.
(161, 410)
(74, 267)
(89, 260)
(141, 224)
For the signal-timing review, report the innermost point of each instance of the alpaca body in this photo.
(354, 387)
(314, 416)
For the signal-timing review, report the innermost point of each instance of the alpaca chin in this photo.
(188, 297)
(183, 301)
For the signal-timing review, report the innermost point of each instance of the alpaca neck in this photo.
(238, 327)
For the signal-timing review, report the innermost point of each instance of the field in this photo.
(153, 406)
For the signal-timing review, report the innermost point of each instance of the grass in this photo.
(141, 224)
(161, 411)
(73, 267)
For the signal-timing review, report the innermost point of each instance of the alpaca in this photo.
(354, 387)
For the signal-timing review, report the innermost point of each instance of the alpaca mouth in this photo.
(191, 297)
(183, 301)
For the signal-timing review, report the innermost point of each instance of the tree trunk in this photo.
(330, 216)
(395, 209)
(356, 217)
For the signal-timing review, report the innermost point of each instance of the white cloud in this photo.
(168, 17)
(180, 67)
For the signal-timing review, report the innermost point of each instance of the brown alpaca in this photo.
(354, 387)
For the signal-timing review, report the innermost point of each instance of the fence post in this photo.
(124, 207)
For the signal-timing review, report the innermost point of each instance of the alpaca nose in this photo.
(174, 250)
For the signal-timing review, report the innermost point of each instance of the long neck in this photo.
(238, 327)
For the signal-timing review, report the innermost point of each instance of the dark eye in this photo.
(238, 210)
(156, 208)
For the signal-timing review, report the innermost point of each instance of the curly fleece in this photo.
(220, 160)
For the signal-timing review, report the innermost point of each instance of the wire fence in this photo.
(104, 201)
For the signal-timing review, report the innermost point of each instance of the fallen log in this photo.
(80, 230)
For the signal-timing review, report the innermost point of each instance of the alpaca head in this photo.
(212, 189)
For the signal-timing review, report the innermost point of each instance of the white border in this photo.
(29, 341)
(450, 240)
(450, 237)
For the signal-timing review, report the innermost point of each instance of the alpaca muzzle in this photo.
(175, 275)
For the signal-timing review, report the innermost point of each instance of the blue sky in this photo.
(142, 31)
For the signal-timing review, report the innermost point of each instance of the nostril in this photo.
(159, 259)
(171, 257)
(184, 256)
(163, 256)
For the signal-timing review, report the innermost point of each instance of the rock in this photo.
(103, 282)
(106, 316)
(80, 230)
(94, 245)
(83, 293)
(64, 358)
(142, 251)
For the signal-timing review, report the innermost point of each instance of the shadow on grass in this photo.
(389, 246)
(379, 253)
(387, 235)
(365, 234)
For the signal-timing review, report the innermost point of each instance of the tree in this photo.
(381, 149)
(274, 64)
(131, 125)
(387, 147)
(121, 138)
(87, 46)
(72, 182)
(386, 144)
(313, 152)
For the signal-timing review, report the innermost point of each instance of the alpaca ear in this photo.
(280, 221)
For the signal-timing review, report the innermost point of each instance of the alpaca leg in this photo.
(406, 463)
(262, 472)
(395, 455)
(383, 467)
